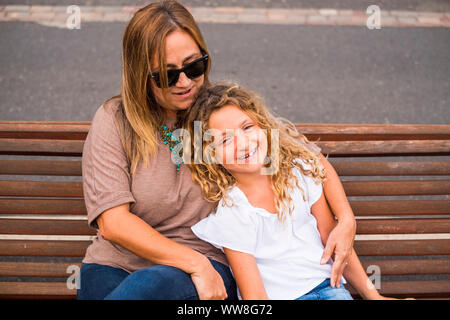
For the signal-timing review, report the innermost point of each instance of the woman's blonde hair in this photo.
(214, 179)
(143, 40)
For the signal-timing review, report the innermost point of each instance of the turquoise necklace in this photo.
(166, 135)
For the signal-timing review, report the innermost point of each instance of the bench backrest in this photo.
(396, 178)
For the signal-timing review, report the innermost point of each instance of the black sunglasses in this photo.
(192, 70)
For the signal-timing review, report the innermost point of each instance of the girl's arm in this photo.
(340, 239)
(354, 272)
(247, 275)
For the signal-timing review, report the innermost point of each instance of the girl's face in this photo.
(240, 145)
(180, 50)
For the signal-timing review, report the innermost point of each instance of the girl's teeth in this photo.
(248, 156)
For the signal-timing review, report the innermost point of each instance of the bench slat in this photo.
(396, 188)
(332, 130)
(352, 188)
(360, 208)
(412, 289)
(385, 148)
(402, 226)
(43, 206)
(80, 227)
(409, 266)
(400, 207)
(391, 168)
(41, 189)
(338, 131)
(434, 288)
(341, 148)
(45, 227)
(36, 289)
(36, 269)
(65, 130)
(402, 247)
(41, 147)
(45, 248)
(343, 168)
(387, 267)
(362, 247)
(40, 167)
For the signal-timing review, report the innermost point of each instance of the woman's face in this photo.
(240, 145)
(180, 50)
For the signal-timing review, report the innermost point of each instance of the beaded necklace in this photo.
(166, 135)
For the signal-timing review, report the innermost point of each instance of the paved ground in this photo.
(414, 5)
(307, 73)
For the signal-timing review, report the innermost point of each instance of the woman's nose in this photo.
(183, 80)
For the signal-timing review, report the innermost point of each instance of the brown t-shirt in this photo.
(167, 200)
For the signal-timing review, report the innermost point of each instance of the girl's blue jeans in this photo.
(159, 282)
(324, 291)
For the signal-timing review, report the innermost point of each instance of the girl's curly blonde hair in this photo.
(214, 179)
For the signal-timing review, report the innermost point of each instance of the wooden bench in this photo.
(396, 177)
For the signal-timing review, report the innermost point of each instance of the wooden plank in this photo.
(378, 128)
(412, 289)
(387, 267)
(43, 206)
(41, 189)
(36, 269)
(66, 130)
(397, 188)
(433, 288)
(385, 148)
(43, 248)
(41, 147)
(406, 267)
(402, 247)
(400, 207)
(40, 167)
(391, 168)
(45, 227)
(362, 247)
(333, 131)
(402, 226)
(37, 289)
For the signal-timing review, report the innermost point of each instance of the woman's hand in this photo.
(339, 243)
(208, 282)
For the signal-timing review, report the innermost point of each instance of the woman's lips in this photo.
(183, 94)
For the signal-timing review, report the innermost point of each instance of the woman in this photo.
(143, 204)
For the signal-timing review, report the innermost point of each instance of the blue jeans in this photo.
(324, 291)
(159, 282)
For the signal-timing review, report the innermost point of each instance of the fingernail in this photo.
(323, 261)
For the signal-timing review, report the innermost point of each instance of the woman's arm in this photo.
(340, 239)
(247, 275)
(121, 226)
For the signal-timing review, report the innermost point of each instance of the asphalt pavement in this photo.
(330, 74)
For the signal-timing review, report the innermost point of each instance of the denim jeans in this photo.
(324, 291)
(159, 282)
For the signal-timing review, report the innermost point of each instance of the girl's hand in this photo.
(339, 242)
(208, 282)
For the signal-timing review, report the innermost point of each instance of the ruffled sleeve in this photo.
(229, 227)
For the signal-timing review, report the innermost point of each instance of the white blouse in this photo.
(287, 254)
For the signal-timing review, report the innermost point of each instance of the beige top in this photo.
(170, 202)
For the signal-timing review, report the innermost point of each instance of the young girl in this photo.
(272, 219)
